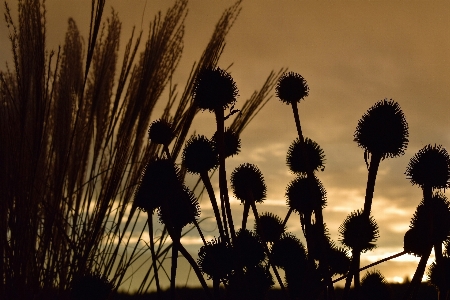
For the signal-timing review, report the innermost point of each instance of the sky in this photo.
(352, 54)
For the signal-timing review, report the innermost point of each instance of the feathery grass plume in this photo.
(216, 259)
(291, 88)
(161, 132)
(288, 251)
(374, 286)
(430, 167)
(248, 249)
(199, 156)
(214, 90)
(439, 275)
(248, 184)
(253, 283)
(160, 178)
(358, 233)
(91, 287)
(270, 227)
(383, 130)
(232, 142)
(297, 152)
(305, 195)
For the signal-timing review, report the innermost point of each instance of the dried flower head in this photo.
(91, 286)
(247, 182)
(383, 130)
(216, 259)
(214, 89)
(291, 88)
(416, 241)
(199, 156)
(338, 259)
(231, 141)
(430, 167)
(432, 219)
(439, 275)
(181, 209)
(253, 283)
(160, 132)
(306, 157)
(359, 232)
(248, 249)
(288, 251)
(270, 227)
(374, 286)
(305, 195)
(159, 178)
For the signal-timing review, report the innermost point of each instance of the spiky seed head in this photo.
(383, 130)
(247, 181)
(374, 286)
(319, 240)
(91, 286)
(338, 259)
(305, 195)
(214, 89)
(430, 167)
(231, 141)
(248, 249)
(432, 219)
(216, 259)
(291, 88)
(305, 158)
(158, 180)
(416, 241)
(253, 283)
(305, 282)
(181, 209)
(270, 227)
(439, 275)
(199, 156)
(160, 132)
(288, 251)
(359, 232)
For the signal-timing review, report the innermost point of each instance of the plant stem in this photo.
(152, 250)
(297, 122)
(370, 188)
(411, 293)
(287, 216)
(173, 271)
(245, 214)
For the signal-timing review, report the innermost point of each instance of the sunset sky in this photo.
(352, 54)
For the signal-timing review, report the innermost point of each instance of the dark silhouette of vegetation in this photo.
(78, 169)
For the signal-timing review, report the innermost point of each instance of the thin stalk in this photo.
(245, 215)
(287, 216)
(173, 270)
(370, 188)
(297, 122)
(200, 231)
(152, 250)
(411, 293)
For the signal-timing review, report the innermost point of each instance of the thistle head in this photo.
(383, 130)
(270, 227)
(288, 251)
(291, 88)
(249, 251)
(199, 155)
(359, 232)
(439, 275)
(215, 259)
(159, 178)
(374, 286)
(305, 195)
(416, 241)
(247, 183)
(305, 157)
(160, 132)
(338, 259)
(430, 167)
(231, 141)
(214, 89)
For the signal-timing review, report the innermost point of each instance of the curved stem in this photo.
(200, 231)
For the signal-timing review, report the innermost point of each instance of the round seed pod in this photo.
(270, 227)
(291, 88)
(416, 241)
(160, 132)
(231, 141)
(214, 89)
(430, 167)
(91, 286)
(305, 158)
(288, 251)
(383, 130)
(247, 180)
(305, 195)
(199, 156)
(249, 251)
(159, 179)
(338, 259)
(181, 209)
(359, 233)
(216, 259)
(374, 286)
(439, 275)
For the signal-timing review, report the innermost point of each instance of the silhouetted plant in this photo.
(91, 287)
(297, 152)
(270, 226)
(374, 286)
